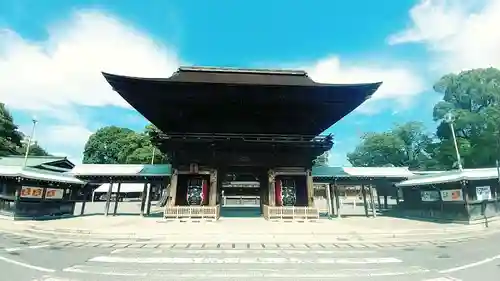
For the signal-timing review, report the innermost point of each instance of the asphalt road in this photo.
(472, 260)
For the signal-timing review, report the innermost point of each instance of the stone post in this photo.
(272, 187)
(212, 198)
(173, 188)
(310, 189)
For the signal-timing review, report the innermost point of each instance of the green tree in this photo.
(322, 160)
(10, 136)
(405, 145)
(114, 145)
(473, 98)
(35, 150)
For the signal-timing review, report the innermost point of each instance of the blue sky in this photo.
(52, 52)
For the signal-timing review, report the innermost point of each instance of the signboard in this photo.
(429, 195)
(31, 192)
(483, 193)
(452, 195)
(54, 193)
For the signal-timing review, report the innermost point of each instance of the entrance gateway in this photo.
(240, 138)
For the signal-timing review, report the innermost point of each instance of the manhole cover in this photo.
(14, 253)
(442, 246)
(443, 256)
(342, 239)
(142, 240)
(23, 242)
(54, 248)
(408, 249)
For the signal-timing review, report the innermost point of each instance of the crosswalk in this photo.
(220, 264)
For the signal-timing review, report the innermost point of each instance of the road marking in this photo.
(474, 264)
(250, 260)
(26, 248)
(239, 252)
(34, 267)
(248, 273)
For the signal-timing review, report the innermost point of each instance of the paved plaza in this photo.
(440, 262)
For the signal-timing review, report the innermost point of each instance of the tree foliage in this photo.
(11, 139)
(115, 145)
(473, 98)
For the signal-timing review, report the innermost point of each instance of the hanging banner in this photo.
(452, 195)
(54, 193)
(483, 193)
(429, 195)
(31, 192)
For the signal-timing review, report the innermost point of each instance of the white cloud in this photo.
(65, 69)
(54, 76)
(460, 34)
(399, 83)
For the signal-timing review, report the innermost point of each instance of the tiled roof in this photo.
(37, 174)
(33, 161)
(451, 176)
(87, 170)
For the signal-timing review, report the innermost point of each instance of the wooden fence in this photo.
(192, 212)
(286, 213)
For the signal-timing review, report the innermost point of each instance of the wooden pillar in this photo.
(143, 198)
(372, 201)
(108, 199)
(363, 192)
(310, 189)
(86, 191)
(117, 198)
(173, 188)
(212, 198)
(386, 205)
(272, 187)
(378, 199)
(329, 200)
(148, 199)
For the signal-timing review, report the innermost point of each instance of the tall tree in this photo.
(35, 150)
(114, 145)
(10, 136)
(322, 160)
(473, 98)
(405, 145)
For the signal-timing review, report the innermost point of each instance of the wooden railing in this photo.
(192, 212)
(290, 213)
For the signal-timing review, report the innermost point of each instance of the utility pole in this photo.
(449, 118)
(30, 139)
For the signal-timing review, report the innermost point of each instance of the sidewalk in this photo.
(129, 229)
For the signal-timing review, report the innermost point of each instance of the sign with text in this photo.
(54, 193)
(429, 195)
(31, 192)
(483, 193)
(452, 195)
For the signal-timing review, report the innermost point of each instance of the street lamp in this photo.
(30, 139)
(449, 118)
(153, 157)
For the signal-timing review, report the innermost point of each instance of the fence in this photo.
(192, 212)
(290, 213)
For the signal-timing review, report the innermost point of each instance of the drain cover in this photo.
(443, 256)
(409, 249)
(442, 246)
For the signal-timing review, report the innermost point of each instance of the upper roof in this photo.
(451, 176)
(247, 101)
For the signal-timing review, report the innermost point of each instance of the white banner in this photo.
(452, 195)
(483, 193)
(31, 192)
(54, 193)
(429, 195)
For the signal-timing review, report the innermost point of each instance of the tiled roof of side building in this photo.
(33, 161)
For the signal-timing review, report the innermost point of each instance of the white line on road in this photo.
(465, 266)
(238, 252)
(26, 248)
(249, 260)
(248, 273)
(34, 267)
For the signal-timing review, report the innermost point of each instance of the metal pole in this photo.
(30, 139)
(329, 200)
(456, 146)
(153, 157)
